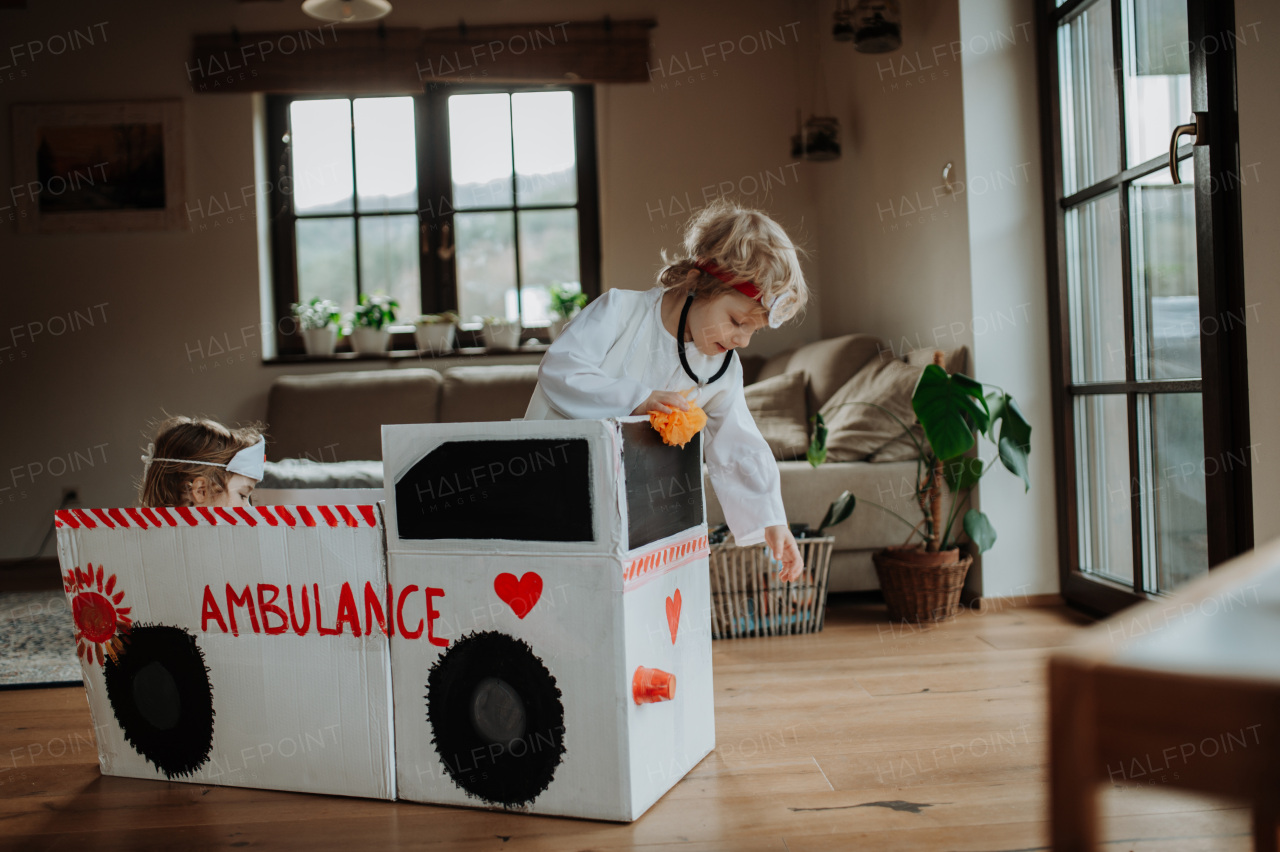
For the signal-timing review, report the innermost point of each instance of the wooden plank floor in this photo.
(866, 736)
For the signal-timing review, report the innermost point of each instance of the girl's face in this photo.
(237, 494)
(725, 322)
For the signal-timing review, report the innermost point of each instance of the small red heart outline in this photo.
(526, 591)
(673, 614)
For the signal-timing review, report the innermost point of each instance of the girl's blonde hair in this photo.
(748, 245)
(167, 483)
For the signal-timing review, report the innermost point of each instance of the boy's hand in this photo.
(664, 401)
(784, 548)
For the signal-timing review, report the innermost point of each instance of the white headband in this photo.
(248, 462)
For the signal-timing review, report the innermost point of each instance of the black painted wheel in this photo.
(159, 690)
(496, 717)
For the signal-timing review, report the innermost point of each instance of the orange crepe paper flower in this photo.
(678, 427)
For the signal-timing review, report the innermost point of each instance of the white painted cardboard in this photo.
(602, 613)
(294, 710)
(316, 496)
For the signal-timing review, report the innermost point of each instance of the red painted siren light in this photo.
(652, 685)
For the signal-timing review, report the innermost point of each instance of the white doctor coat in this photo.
(616, 352)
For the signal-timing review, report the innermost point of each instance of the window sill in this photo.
(470, 352)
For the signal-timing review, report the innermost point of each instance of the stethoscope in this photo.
(684, 362)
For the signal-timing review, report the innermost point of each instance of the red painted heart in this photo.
(673, 614)
(520, 595)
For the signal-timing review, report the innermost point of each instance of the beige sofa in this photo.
(335, 417)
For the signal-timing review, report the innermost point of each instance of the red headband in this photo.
(746, 288)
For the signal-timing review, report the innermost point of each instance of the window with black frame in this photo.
(465, 199)
(1149, 448)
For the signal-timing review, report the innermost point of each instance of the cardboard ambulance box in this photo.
(567, 667)
(528, 629)
(243, 647)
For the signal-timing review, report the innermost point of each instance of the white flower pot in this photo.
(435, 337)
(370, 341)
(557, 325)
(502, 336)
(320, 341)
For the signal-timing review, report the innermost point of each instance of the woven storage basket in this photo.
(748, 599)
(918, 591)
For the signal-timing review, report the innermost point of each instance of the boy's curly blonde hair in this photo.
(749, 246)
(166, 483)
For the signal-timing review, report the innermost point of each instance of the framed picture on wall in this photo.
(110, 166)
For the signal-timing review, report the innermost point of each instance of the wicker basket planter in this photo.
(748, 599)
(919, 586)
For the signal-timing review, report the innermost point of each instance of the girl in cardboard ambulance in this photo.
(200, 462)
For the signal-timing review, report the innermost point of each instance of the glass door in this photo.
(1148, 319)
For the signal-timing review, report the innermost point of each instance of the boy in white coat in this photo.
(627, 353)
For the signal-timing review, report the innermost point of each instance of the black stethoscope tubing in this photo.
(684, 362)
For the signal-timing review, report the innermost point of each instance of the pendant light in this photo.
(877, 26)
(347, 11)
(818, 138)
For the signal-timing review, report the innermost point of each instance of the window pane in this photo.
(1157, 75)
(548, 255)
(386, 154)
(1102, 497)
(320, 144)
(389, 261)
(327, 261)
(546, 164)
(1177, 505)
(480, 150)
(1095, 295)
(486, 256)
(1166, 300)
(1090, 108)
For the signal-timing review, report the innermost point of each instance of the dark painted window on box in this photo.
(467, 198)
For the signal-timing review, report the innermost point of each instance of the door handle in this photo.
(1196, 130)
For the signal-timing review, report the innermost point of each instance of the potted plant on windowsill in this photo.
(922, 581)
(436, 333)
(565, 304)
(499, 333)
(371, 324)
(318, 321)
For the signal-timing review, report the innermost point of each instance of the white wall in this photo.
(166, 299)
(1010, 320)
(895, 251)
(1258, 74)
(924, 267)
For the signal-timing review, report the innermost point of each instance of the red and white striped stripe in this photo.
(645, 566)
(201, 516)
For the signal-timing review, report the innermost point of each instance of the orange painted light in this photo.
(652, 685)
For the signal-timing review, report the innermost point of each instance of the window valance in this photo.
(334, 58)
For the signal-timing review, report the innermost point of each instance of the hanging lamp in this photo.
(347, 11)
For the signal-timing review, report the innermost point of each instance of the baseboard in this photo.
(981, 604)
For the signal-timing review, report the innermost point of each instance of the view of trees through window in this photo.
(511, 213)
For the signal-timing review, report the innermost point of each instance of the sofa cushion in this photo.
(778, 407)
(901, 448)
(775, 365)
(339, 416)
(828, 364)
(855, 429)
(496, 392)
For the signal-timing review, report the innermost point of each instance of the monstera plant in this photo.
(950, 408)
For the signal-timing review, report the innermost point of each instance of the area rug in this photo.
(37, 644)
